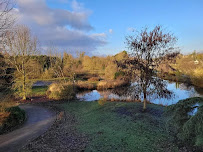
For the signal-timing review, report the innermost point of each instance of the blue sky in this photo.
(105, 23)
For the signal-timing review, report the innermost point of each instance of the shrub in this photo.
(110, 84)
(197, 78)
(18, 88)
(102, 101)
(58, 91)
(15, 117)
(94, 79)
(110, 71)
(119, 74)
(48, 74)
(84, 85)
(186, 120)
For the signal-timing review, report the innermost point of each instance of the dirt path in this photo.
(63, 136)
(39, 119)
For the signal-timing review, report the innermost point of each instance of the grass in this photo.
(39, 90)
(186, 119)
(121, 126)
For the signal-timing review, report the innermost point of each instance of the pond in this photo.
(180, 90)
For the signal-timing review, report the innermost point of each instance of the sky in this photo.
(99, 27)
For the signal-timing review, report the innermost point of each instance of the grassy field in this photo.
(39, 90)
(120, 126)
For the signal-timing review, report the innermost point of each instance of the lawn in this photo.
(119, 126)
(39, 90)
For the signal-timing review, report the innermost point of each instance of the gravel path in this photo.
(39, 119)
(62, 136)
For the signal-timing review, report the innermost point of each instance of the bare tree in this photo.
(6, 21)
(56, 62)
(148, 49)
(6, 17)
(19, 47)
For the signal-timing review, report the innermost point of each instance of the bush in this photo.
(111, 84)
(197, 78)
(84, 85)
(16, 116)
(110, 71)
(119, 74)
(102, 101)
(94, 79)
(186, 120)
(58, 91)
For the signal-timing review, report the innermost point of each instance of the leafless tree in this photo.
(148, 49)
(56, 62)
(6, 16)
(19, 47)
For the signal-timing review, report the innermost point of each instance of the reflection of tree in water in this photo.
(126, 92)
(82, 93)
(134, 92)
(199, 90)
(105, 93)
(184, 86)
(130, 94)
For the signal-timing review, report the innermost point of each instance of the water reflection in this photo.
(181, 91)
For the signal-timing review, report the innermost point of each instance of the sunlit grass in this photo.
(121, 126)
(39, 90)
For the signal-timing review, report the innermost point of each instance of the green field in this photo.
(120, 126)
(39, 90)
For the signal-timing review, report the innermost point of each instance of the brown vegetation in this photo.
(111, 84)
(186, 68)
(59, 91)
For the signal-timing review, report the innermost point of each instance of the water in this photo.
(194, 109)
(180, 90)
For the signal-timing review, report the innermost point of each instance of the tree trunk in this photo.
(24, 88)
(145, 101)
(24, 82)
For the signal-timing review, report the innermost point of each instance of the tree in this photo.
(6, 16)
(19, 47)
(147, 50)
(111, 70)
(56, 62)
(6, 77)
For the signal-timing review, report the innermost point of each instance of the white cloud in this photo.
(77, 6)
(131, 29)
(64, 28)
(110, 31)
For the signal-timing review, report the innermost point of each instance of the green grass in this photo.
(121, 126)
(39, 90)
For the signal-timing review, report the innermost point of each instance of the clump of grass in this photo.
(111, 84)
(186, 120)
(102, 101)
(86, 85)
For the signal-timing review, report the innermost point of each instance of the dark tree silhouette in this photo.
(147, 50)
